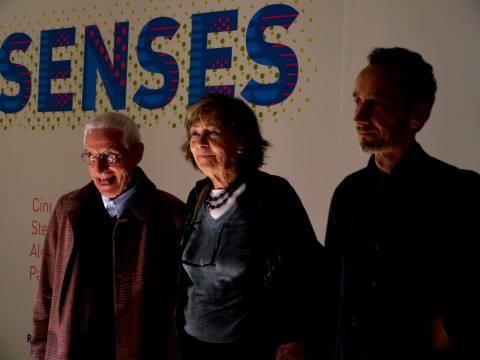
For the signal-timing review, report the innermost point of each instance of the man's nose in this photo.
(362, 113)
(101, 163)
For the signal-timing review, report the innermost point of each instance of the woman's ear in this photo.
(241, 145)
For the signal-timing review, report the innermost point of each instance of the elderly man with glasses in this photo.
(108, 276)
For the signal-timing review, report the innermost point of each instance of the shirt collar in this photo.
(121, 201)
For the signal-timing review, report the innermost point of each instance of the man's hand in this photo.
(290, 351)
(440, 339)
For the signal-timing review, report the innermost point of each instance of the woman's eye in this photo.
(214, 132)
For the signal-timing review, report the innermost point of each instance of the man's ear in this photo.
(138, 151)
(420, 115)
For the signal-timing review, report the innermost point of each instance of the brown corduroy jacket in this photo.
(144, 272)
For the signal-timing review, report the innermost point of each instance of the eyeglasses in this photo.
(213, 257)
(91, 159)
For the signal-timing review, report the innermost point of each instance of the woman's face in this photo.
(215, 149)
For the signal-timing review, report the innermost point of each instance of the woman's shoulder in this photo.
(275, 188)
(263, 178)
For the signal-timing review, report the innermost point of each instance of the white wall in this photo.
(314, 143)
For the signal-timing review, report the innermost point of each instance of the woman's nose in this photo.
(203, 140)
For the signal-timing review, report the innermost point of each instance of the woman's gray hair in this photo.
(115, 120)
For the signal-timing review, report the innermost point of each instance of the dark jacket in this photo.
(401, 254)
(287, 256)
(144, 273)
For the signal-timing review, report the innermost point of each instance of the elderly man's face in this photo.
(111, 179)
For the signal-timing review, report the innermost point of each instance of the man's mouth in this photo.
(105, 181)
(362, 131)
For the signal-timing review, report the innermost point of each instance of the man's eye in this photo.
(110, 158)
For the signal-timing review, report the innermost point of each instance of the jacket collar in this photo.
(139, 202)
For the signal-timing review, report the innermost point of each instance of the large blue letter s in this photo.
(157, 62)
(16, 73)
(270, 54)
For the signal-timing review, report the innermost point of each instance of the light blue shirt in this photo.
(120, 202)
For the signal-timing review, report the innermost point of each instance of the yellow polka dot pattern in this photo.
(49, 14)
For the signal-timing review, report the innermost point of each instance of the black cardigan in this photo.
(288, 258)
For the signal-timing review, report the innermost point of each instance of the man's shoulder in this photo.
(450, 172)
(165, 196)
(267, 181)
(147, 188)
(79, 193)
(356, 178)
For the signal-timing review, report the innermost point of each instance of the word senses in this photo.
(113, 70)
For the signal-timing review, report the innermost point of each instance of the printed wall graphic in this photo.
(155, 64)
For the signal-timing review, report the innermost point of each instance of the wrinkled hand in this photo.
(290, 351)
